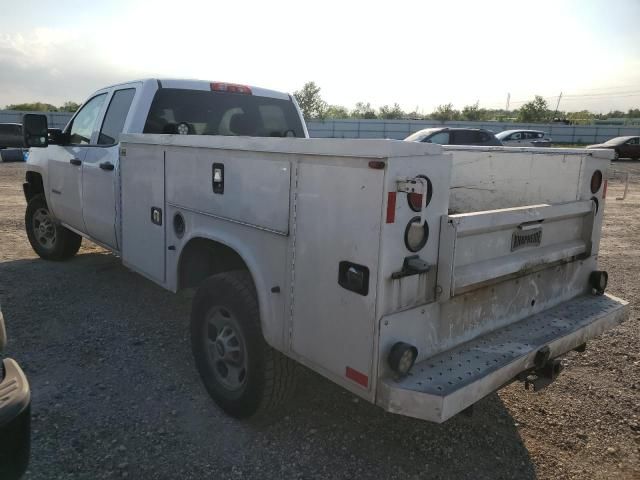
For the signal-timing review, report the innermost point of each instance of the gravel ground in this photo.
(116, 394)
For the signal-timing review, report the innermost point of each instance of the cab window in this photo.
(221, 113)
(84, 122)
(115, 117)
(441, 138)
(464, 137)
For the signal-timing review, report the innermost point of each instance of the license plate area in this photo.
(526, 237)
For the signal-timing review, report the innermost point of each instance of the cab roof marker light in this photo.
(230, 88)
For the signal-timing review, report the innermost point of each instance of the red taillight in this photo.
(230, 88)
(604, 190)
(415, 199)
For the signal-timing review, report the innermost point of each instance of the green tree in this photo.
(69, 106)
(336, 111)
(583, 117)
(33, 107)
(391, 113)
(473, 112)
(536, 110)
(363, 110)
(310, 101)
(446, 112)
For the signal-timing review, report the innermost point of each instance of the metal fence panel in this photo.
(399, 129)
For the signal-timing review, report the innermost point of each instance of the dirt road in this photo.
(115, 392)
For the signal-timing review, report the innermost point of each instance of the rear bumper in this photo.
(15, 421)
(443, 385)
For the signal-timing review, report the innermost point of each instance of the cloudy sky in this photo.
(419, 54)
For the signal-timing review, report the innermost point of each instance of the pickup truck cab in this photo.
(72, 185)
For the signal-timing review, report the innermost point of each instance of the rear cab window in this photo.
(202, 112)
(115, 117)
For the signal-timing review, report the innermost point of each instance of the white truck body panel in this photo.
(318, 202)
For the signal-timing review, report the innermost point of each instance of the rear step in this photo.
(443, 385)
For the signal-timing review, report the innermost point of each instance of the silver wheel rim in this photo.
(44, 229)
(226, 349)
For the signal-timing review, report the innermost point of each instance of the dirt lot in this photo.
(115, 392)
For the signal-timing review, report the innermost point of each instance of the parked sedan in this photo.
(524, 138)
(625, 147)
(455, 136)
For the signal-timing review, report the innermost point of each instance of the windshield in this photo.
(201, 112)
(421, 134)
(504, 134)
(616, 141)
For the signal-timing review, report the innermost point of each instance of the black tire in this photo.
(616, 156)
(269, 376)
(51, 241)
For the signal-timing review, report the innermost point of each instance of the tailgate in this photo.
(441, 386)
(482, 247)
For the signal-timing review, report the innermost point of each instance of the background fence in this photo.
(56, 119)
(399, 129)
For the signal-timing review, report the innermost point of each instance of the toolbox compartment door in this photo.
(253, 187)
(142, 173)
(337, 227)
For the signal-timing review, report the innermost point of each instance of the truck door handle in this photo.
(106, 166)
(75, 161)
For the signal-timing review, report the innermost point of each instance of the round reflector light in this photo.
(402, 357)
(596, 181)
(416, 234)
(415, 199)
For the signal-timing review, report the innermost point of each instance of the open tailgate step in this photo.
(443, 385)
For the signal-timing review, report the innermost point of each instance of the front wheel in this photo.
(616, 156)
(49, 239)
(243, 375)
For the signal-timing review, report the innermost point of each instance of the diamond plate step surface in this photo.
(455, 369)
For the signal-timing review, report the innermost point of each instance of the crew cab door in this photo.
(65, 164)
(100, 167)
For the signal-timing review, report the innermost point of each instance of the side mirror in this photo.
(35, 130)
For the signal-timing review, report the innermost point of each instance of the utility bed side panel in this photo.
(408, 291)
(255, 191)
(337, 218)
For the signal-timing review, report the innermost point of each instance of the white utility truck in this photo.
(419, 277)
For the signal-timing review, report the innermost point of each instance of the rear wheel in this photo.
(243, 375)
(48, 238)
